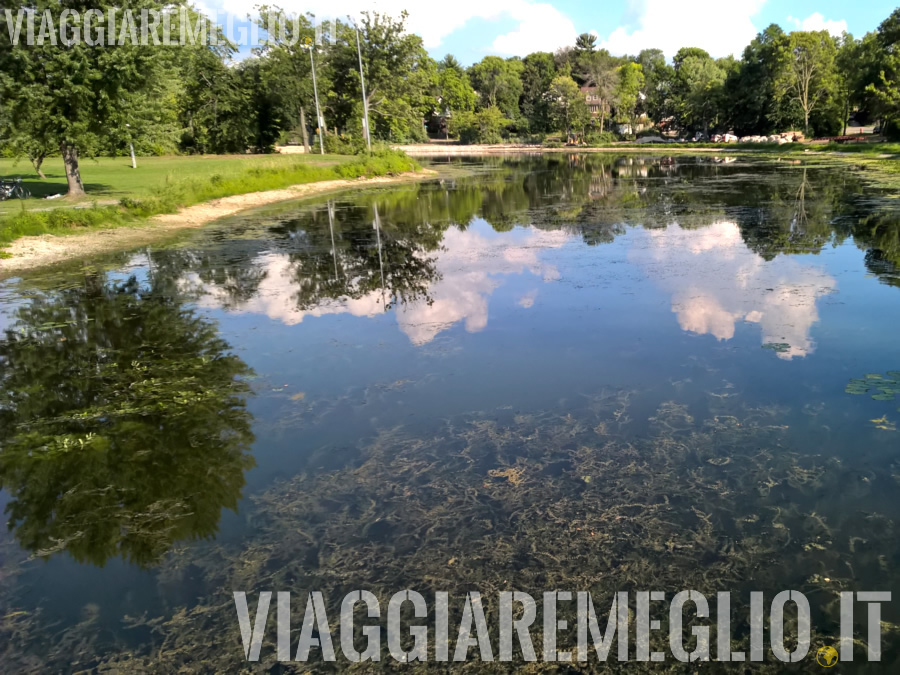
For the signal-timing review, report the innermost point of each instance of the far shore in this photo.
(34, 252)
(445, 149)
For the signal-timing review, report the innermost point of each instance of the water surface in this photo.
(577, 372)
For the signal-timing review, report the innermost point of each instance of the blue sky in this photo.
(471, 29)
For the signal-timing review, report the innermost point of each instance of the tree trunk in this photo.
(73, 174)
(36, 162)
(846, 113)
(303, 130)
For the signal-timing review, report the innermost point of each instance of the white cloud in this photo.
(816, 21)
(541, 26)
(721, 29)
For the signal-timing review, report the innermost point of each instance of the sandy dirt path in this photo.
(33, 252)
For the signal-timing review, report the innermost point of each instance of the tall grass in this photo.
(176, 193)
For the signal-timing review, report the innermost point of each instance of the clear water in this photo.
(577, 372)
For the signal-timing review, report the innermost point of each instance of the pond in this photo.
(573, 372)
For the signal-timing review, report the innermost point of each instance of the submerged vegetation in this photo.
(550, 500)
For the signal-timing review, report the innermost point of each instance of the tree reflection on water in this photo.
(122, 423)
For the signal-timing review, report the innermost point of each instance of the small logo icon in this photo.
(827, 657)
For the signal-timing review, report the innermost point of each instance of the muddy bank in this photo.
(33, 252)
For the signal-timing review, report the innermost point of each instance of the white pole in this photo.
(320, 121)
(131, 147)
(362, 81)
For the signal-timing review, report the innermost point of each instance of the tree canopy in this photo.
(79, 100)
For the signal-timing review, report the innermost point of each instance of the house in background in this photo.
(593, 100)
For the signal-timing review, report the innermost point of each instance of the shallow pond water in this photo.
(577, 372)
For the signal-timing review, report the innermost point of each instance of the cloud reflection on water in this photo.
(716, 281)
(471, 266)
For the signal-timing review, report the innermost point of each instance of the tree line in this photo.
(78, 100)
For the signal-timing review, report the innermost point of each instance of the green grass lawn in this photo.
(109, 179)
(119, 195)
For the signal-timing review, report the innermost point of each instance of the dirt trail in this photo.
(33, 252)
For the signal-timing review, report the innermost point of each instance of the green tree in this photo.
(399, 77)
(286, 68)
(122, 422)
(600, 70)
(538, 71)
(586, 43)
(76, 88)
(808, 75)
(659, 79)
(697, 94)
(498, 82)
(454, 89)
(886, 90)
(628, 93)
(453, 94)
(485, 126)
(567, 106)
(751, 102)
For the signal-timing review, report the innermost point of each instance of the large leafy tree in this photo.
(286, 68)
(628, 93)
(398, 78)
(453, 87)
(498, 82)
(697, 92)
(752, 105)
(538, 71)
(600, 70)
(886, 90)
(65, 95)
(659, 78)
(567, 106)
(808, 73)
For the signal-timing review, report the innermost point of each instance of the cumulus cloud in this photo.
(541, 26)
(718, 28)
(816, 21)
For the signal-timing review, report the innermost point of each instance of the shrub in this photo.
(600, 138)
(343, 145)
(485, 127)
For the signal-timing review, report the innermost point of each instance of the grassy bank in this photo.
(165, 185)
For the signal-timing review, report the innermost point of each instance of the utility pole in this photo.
(320, 119)
(365, 101)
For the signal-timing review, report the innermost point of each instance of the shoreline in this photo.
(33, 252)
(453, 150)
